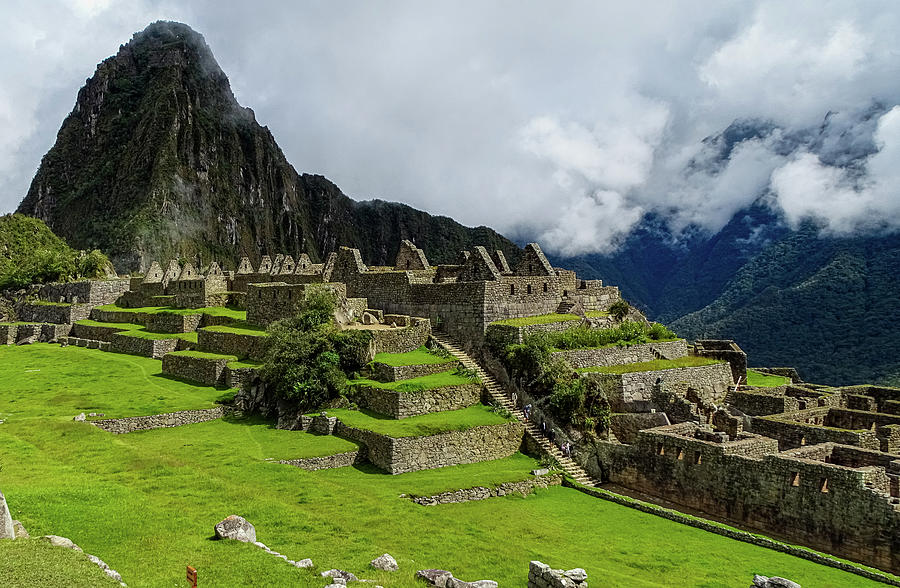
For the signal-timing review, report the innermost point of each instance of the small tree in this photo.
(619, 310)
(307, 355)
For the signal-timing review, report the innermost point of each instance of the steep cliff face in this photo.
(158, 159)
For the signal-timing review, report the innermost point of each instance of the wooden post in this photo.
(192, 576)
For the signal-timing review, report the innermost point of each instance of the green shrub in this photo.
(619, 310)
(307, 356)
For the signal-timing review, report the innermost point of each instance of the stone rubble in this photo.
(385, 562)
(445, 579)
(772, 582)
(540, 575)
(7, 530)
(335, 573)
(237, 528)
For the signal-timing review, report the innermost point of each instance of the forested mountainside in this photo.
(158, 160)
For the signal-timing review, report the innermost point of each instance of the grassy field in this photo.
(239, 328)
(417, 426)
(541, 319)
(238, 315)
(420, 356)
(761, 380)
(438, 380)
(204, 355)
(34, 562)
(44, 380)
(146, 502)
(651, 366)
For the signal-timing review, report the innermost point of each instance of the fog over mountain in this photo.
(569, 124)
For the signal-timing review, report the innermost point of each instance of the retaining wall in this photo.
(410, 454)
(390, 373)
(399, 405)
(205, 370)
(523, 487)
(327, 462)
(160, 421)
(401, 339)
(155, 348)
(632, 392)
(609, 356)
(231, 344)
(54, 313)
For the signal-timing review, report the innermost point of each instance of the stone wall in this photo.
(20, 334)
(155, 348)
(328, 462)
(392, 373)
(94, 292)
(205, 370)
(272, 301)
(238, 377)
(54, 313)
(401, 339)
(608, 356)
(119, 316)
(160, 421)
(633, 392)
(400, 405)
(764, 401)
(410, 454)
(523, 487)
(236, 344)
(794, 497)
(95, 332)
(540, 575)
(725, 350)
(169, 322)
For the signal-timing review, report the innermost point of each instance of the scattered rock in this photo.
(304, 563)
(113, 574)
(577, 575)
(261, 545)
(237, 528)
(335, 585)
(457, 583)
(385, 562)
(58, 541)
(540, 472)
(335, 573)
(19, 528)
(773, 582)
(96, 414)
(98, 562)
(80, 418)
(7, 531)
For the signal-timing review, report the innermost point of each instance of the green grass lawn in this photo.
(146, 502)
(431, 381)
(244, 363)
(239, 328)
(650, 366)
(761, 380)
(238, 315)
(45, 380)
(120, 326)
(420, 356)
(34, 562)
(417, 426)
(596, 313)
(541, 319)
(143, 333)
(203, 355)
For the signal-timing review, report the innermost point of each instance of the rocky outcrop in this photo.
(7, 531)
(158, 160)
(385, 562)
(773, 582)
(237, 528)
(540, 575)
(444, 579)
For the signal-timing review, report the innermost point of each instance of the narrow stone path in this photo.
(568, 465)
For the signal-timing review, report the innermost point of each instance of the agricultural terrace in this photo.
(146, 502)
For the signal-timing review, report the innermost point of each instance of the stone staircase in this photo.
(568, 465)
(565, 307)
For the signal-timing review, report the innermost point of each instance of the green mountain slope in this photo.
(157, 159)
(825, 306)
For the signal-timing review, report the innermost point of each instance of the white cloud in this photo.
(541, 122)
(807, 188)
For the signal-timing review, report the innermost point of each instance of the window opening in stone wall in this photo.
(823, 485)
(680, 454)
(698, 458)
(545, 286)
(530, 268)
(660, 450)
(802, 441)
(528, 288)
(795, 479)
(512, 288)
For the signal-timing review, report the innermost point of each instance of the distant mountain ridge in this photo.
(788, 296)
(158, 160)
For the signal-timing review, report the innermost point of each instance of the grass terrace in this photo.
(236, 314)
(203, 355)
(239, 328)
(48, 303)
(420, 356)
(20, 323)
(420, 426)
(761, 380)
(135, 330)
(120, 326)
(244, 363)
(44, 380)
(541, 319)
(430, 382)
(146, 502)
(652, 366)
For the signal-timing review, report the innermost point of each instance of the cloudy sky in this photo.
(563, 122)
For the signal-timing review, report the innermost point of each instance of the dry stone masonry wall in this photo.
(523, 487)
(399, 405)
(160, 421)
